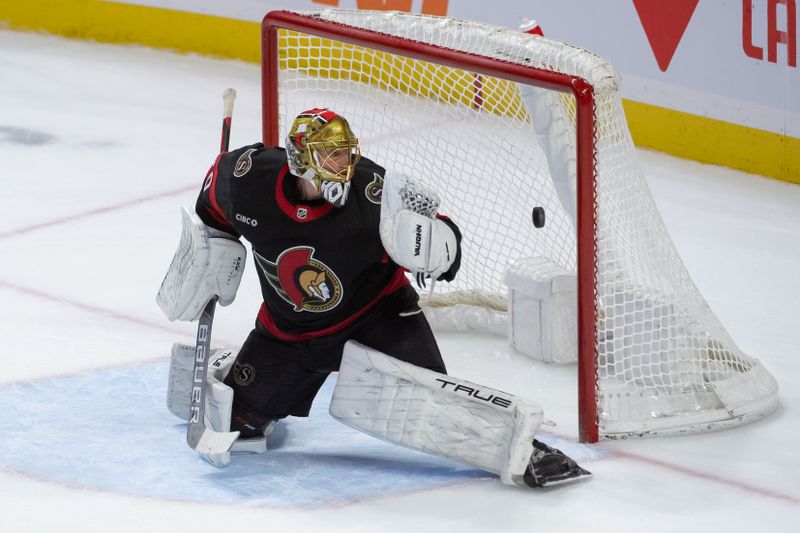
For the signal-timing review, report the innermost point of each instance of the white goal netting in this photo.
(493, 150)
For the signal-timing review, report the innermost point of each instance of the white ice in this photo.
(99, 145)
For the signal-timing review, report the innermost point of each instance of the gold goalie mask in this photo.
(322, 149)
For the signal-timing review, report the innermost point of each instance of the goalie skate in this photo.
(549, 466)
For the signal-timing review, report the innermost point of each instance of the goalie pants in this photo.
(273, 378)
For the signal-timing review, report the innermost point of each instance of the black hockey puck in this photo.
(538, 217)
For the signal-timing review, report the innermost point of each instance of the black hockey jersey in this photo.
(320, 267)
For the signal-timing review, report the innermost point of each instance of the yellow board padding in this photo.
(714, 141)
(681, 134)
(113, 22)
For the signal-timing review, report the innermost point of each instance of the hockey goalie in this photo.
(333, 236)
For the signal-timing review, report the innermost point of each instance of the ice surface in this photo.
(101, 144)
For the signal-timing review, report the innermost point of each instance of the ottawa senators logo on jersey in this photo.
(301, 280)
(374, 190)
(244, 163)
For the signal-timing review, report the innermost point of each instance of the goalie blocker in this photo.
(208, 263)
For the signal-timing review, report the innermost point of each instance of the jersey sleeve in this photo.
(208, 206)
(453, 270)
(215, 203)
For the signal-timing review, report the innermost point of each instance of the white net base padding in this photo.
(741, 398)
(431, 98)
(459, 317)
(542, 312)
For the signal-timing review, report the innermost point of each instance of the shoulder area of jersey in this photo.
(367, 167)
(257, 156)
(369, 177)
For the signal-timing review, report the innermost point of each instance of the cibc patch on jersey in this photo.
(301, 280)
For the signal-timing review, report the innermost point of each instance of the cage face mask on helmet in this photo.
(322, 149)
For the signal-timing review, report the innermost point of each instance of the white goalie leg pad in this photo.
(181, 373)
(219, 397)
(207, 263)
(435, 413)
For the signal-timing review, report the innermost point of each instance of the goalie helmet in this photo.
(322, 149)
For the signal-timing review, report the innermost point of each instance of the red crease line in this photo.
(92, 212)
(99, 310)
(704, 475)
(89, 308)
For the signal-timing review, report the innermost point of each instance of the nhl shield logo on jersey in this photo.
(243, 164)
(374, 190)
(301, 280)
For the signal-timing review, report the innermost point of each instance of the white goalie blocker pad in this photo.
(435, 413)
(410, 233)
(207, 263)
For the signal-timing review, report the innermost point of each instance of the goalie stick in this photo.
(201, 438)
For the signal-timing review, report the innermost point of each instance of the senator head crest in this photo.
(301, 280)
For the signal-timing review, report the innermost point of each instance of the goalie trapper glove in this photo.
(549, 466)
(422, 245)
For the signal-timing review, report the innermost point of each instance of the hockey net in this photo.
(498, 122)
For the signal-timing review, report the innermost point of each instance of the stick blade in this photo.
(209, 441)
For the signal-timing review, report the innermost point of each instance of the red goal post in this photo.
(599, 349)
